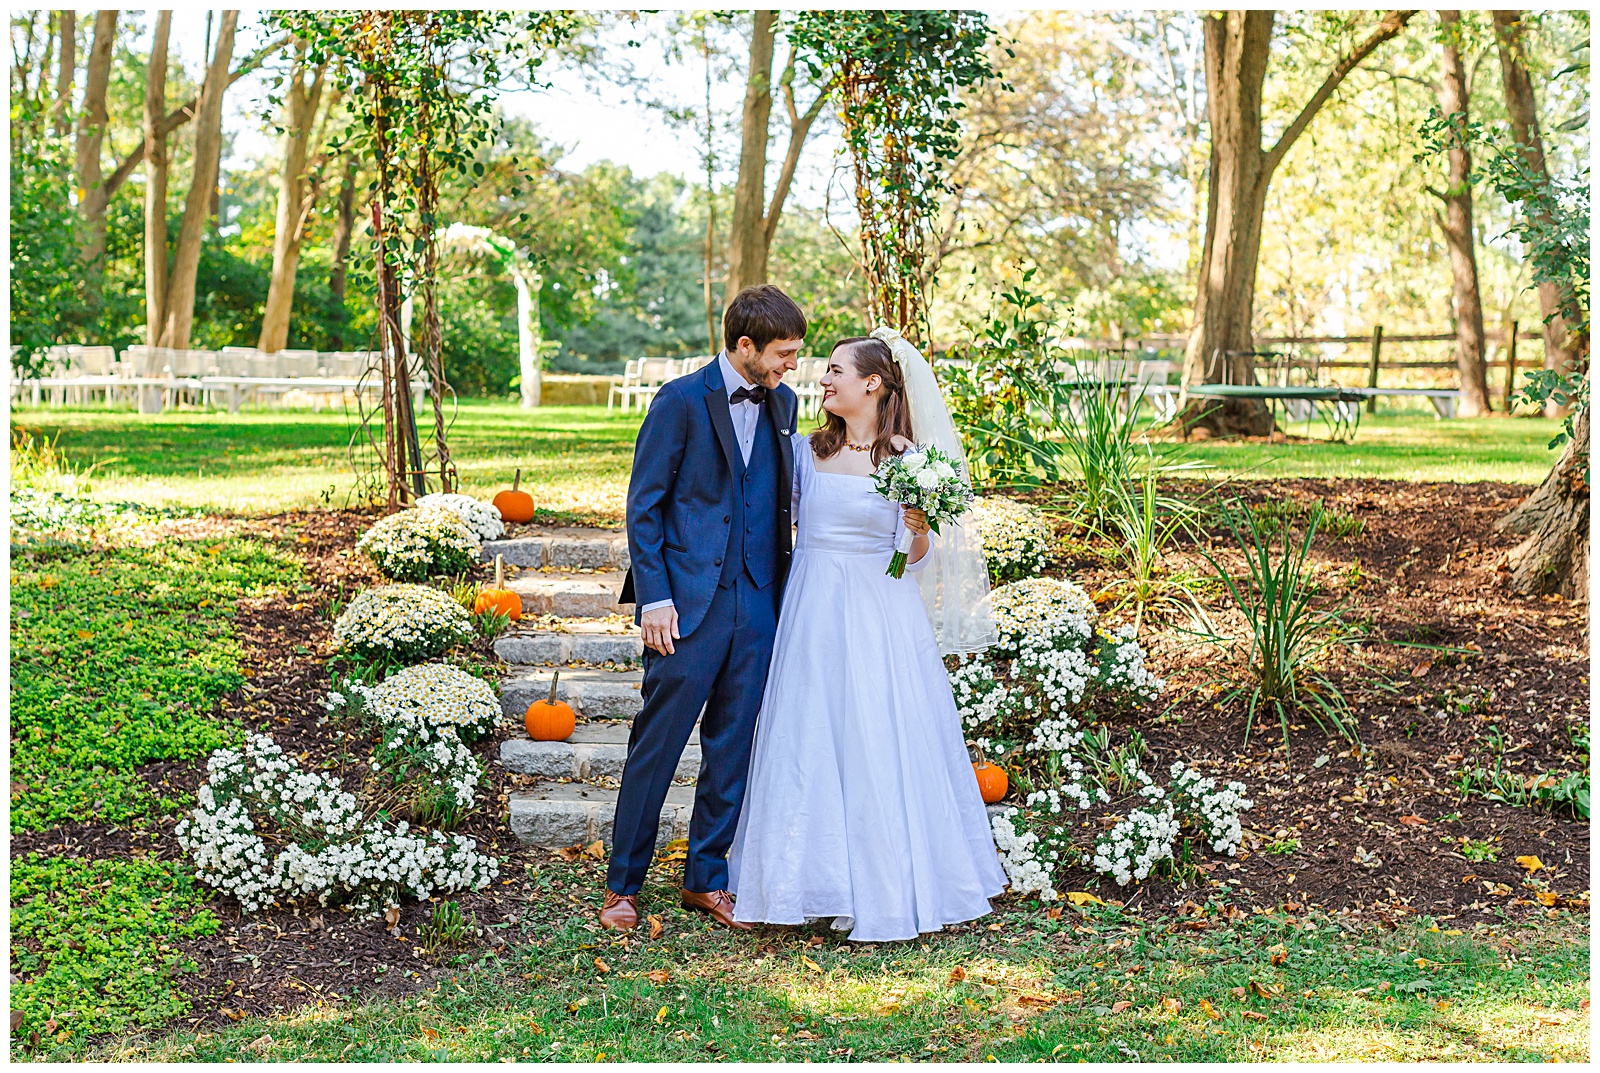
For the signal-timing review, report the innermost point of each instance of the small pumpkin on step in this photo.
(513, 503)
(499, 598)
(992, 780)
(551, 719)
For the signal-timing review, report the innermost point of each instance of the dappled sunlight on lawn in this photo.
(1487, 1028)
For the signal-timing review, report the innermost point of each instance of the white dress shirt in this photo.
(746, 416)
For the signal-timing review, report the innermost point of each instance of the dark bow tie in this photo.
(757, 395)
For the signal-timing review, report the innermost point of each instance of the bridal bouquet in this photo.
(924, 479)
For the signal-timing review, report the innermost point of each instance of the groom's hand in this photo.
(660, 629)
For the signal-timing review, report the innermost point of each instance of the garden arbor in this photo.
(464, 238)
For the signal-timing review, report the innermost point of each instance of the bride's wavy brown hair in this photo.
(871, 357)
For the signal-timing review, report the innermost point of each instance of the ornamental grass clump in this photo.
(401, 625)
(1289, 632)
(1017, 539)
(481, 519)
(416, 544)
(262, 829)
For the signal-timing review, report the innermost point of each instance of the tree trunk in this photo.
(155, 184)
(1237, 45)
(1555, 556)
(92, 121)
(343, 228)
(1560, 311)
(747, 253)
(1456, 223)
(179, 319)
(293, 197)
(66, 70)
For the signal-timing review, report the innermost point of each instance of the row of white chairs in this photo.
(642, 378)
(160, 376)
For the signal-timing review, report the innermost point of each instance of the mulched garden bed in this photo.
(1430, 563)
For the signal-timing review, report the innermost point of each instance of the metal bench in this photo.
(1343, 404)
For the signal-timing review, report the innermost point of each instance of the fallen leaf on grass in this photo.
(569, 853)
(1082, 898)
(1118, 1007)
(430, 1033)
(596, 849)
(1421, 670)
(957, 974)
(658, 976)
(1252, 1015)
(1413, 821)
(1053, 913)
(1209, 1010)
(656, 927)
(1238, 992)
(661, 1014)
(1171, 1004)
(806, 1034)
(808, 963)
(1546, 897)
(1279, 955)
(232, 1014)
(1038, 1000)
(601, 965)
(1265, 992)
(1532, 864)
(815, 940)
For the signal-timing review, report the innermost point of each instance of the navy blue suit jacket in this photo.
(680, 496)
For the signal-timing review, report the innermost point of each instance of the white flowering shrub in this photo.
(263, 829)
(415, 544)
(402, 624)
(1032, 604)
(421, 766)
(1017, 539)
(482, 519)
(1143, 833)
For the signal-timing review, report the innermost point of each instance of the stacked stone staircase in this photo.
(575, 575)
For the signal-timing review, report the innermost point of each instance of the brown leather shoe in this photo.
(620, 911)
(718, 904)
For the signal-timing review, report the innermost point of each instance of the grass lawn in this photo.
(1099, 985)
(577, 457)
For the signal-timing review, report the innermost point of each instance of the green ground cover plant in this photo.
(118, 657)
(576, 458)
(1220, 983)
(94, 940)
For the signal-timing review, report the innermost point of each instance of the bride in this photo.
(861, 805)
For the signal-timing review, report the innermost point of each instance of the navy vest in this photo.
(753, 533)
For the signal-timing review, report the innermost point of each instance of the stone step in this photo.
(568, 595)
(593, 692)
(562, 549)
(595, 750)
(578, 641)
(555, 815)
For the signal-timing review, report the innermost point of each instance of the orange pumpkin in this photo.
(551, 719)
(514, 504)
(499, 598)
(992, 780)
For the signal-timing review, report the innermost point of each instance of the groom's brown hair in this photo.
(761, 314)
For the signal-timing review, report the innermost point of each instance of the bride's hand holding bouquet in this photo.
(926, 481)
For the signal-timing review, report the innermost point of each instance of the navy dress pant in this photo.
(722, 667)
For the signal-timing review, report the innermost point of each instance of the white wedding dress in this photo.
(861, 805)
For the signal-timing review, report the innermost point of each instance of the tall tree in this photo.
(1560, 312)
(66, 69)
(294, 199)
(343, 228)
(155, 180)
(92, 122)
(754, 223)
(178, 307)
(1237, 47)
(1456, 224)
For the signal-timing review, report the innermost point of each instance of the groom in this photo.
(708, 533)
